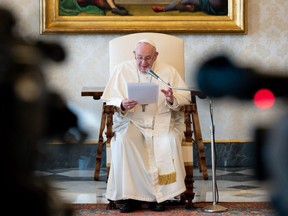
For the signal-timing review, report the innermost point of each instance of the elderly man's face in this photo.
(145, 55)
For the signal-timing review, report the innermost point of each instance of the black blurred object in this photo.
(260, 139)
(52, 50)
(275, 163)
(219, 77)
(271, 161)
(7, 21)
(29, 114)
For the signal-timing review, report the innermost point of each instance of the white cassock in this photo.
(146, 152)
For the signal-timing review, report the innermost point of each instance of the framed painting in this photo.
(96, 16)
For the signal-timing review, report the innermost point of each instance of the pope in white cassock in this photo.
(147, 163)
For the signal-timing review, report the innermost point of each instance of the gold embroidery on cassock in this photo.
(167, 178)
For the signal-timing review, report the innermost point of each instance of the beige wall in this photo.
(265, 47)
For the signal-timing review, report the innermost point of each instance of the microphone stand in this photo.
(193, 91)
(215, 207)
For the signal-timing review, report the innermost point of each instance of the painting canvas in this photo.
(127, 16)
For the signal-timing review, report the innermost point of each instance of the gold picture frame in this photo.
(232, 23)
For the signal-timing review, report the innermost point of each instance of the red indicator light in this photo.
(264, 99)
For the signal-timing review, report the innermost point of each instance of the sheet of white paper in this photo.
(143, 93)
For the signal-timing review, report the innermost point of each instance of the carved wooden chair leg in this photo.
(106, 121)
(108, 159)
(100, 146)
(109, 132)
(201, 159)
(189, 194)
(98, 160)
(198, 140)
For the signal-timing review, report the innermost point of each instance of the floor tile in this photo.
(236, 184)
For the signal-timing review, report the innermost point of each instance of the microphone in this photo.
(150, 72)
(201, 95)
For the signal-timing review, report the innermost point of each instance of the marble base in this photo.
(60, 156)
(229, 154)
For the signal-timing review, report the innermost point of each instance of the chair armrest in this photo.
(95, 92)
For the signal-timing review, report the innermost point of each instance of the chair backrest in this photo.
(170, 48)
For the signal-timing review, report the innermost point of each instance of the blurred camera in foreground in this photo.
(219, 77)
(29, 114)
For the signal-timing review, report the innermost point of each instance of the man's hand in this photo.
(128, 104)
(168, 95)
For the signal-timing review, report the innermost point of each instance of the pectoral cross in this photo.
(143, 107)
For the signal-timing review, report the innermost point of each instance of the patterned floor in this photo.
(233, 184)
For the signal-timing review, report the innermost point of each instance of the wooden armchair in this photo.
(171, 50)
